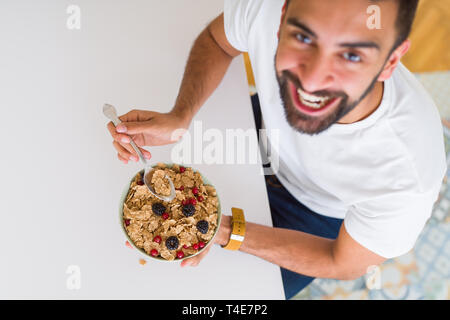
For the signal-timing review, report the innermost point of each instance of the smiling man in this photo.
(361, 144)
(331, 55)
(317, 64)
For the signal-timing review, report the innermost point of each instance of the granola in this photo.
(175, 229)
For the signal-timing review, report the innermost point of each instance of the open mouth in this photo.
(311, 104)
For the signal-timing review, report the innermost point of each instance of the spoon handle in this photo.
(141, 156)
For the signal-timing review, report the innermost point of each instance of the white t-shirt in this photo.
(382, 175)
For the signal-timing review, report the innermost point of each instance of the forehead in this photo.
(347, 20)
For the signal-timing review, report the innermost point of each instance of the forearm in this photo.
(205, 69)
(293, 250)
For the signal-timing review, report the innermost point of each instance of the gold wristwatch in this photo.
(238, 230)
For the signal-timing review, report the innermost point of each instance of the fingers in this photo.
(122, 145)
(137, 115)
(147, 155)
(194, 261)
(125, 152)
(125, 161)
(133, 128)
(119, 137)
(135, 121)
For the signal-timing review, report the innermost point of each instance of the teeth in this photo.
(310, 97)
(311, 100)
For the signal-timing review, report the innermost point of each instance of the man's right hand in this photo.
(146, 128)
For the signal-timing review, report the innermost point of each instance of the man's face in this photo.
(328, 60)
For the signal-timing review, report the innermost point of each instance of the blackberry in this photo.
(202, 226)
(158, 208)
(172, 243)
(188, 210)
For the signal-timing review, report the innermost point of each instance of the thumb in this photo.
(136, 127)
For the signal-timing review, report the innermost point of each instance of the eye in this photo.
(304, 39)
(352, 57)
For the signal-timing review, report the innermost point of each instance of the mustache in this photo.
(285, 74)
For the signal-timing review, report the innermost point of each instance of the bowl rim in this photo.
(206, 182)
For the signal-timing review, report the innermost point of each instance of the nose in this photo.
(315, 73)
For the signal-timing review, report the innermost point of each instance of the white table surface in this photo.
(60, 179)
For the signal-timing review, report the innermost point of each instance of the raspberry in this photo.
(154, 252)
(185, 246)
(127, 222)
(182, 169)
(195, 246)
(185, 202)
(193, 201)
(158, 208)
(165, 215)
(202, 226)
(188, 210)
(200, 198)
(181, 188)
(201, 244)
(172, 243)
(157, 239)
(180, 254)
(140, 182)
(195, 190)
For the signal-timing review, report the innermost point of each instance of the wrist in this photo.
(225, 229)
(183, 114)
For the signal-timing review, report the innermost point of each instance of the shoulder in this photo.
(250, 13)
(416, 127)
(239, 17)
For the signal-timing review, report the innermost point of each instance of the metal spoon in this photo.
(110, 112)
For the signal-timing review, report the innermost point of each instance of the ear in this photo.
(394, 60)
(283, 12)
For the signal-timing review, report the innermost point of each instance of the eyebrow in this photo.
(297, 23)
(367, 44)
(363, 44)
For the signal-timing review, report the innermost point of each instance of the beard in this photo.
(312, 125)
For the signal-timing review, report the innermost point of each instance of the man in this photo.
(361, 144)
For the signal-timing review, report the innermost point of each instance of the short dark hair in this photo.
(405, 18)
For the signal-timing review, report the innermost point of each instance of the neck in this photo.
(366, 107)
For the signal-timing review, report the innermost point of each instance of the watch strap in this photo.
(238, 229)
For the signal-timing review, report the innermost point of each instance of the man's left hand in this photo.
(222, 237)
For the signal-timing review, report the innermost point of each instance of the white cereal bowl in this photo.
(142, 251)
